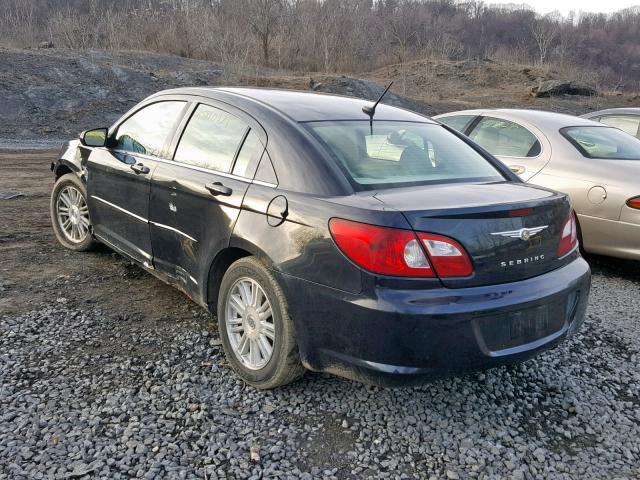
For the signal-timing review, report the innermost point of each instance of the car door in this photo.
(514, 144)
(196, 197)
(118, 177)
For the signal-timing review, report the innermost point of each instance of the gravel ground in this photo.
(87, 393)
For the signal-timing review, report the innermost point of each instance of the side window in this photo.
(211, 139)
(505, 138)
(249, 156)
(146, 131)
(626, 123)
(266, 172)
(603, 142)
(457, 122)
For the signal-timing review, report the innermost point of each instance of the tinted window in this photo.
(626, 123)
(505, 138)
(248, 156)
(401, 153)
(146, 131)
(211, 139)
(603, 142)
(457, 122)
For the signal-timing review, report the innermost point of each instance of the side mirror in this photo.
(94, 138)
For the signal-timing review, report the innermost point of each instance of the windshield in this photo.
(603, 142)
(401, 154)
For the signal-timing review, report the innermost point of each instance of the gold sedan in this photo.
(596, 165)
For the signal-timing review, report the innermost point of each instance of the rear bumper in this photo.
(615, 238)
(399, 337)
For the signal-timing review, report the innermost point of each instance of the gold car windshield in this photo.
(603, 142)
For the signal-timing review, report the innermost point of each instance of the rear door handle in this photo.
(140, 169)
(217, 188)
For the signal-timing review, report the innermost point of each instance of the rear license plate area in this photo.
(519, 327)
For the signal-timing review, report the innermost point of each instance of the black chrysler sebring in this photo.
(328, 234)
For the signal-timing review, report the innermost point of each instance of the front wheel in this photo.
(70, 213)
(254, 325)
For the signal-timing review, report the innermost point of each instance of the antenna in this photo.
(371, 111)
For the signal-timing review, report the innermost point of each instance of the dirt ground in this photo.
(35, 269)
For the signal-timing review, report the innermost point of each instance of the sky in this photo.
(565, 6)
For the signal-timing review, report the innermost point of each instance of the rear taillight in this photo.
(634, 203)
(569, 235)
(447, 256)
(397, 252)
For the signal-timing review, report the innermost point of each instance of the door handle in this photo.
(217, 188)
(140, 169)
(517, 169)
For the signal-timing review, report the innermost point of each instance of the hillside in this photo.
(456, 85)
(51, 94)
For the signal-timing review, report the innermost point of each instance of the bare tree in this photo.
(264, 16)
(335, 35)
(544, 31)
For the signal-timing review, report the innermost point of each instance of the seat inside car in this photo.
(414, 160)
(347, 151)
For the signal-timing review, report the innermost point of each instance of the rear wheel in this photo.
(70, 214)
(254, 325)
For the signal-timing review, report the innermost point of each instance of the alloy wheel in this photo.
(73, 214)
(250, 324)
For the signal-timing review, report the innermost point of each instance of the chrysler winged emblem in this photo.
(522, 234)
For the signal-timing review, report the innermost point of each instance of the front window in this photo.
(147, 130)
(395, 154)
(603, 142)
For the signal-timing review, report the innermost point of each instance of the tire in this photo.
(70, 192)
(262, 371)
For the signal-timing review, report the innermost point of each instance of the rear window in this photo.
(603, 142)
(391, 154)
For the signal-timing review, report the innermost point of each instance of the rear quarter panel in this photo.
(612, 181)
(302, 246)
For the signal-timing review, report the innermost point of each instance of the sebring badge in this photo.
(522, 234)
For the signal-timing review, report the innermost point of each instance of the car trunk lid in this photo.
(510, 231)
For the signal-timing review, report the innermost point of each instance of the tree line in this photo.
(334, 35)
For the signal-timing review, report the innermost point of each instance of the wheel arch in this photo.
(238, 248)
(217, 269)
(63, 167)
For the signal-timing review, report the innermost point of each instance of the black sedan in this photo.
(328, 234)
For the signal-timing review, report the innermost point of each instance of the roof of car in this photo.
(536, 117)
(299, 105)
(608, 111)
